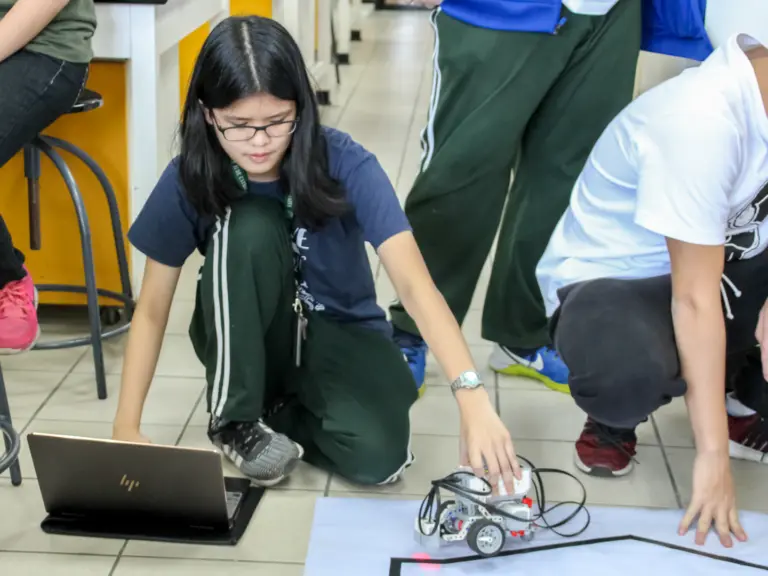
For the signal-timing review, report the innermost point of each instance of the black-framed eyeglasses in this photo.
(241, 133)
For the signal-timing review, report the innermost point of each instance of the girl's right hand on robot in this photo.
(485, 443)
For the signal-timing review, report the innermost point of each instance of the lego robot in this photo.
(476, 516)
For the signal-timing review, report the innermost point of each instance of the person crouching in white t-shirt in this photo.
(656, 277)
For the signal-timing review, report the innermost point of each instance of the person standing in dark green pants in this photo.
(521, 88)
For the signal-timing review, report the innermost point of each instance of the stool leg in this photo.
(32, 174)
(90, 271)
(114, 209)
(5, 414)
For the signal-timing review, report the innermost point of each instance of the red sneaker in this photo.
(19, 329)
(748, 438)
(605, 451)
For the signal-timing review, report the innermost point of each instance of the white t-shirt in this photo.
(590, 7)
(687, 160)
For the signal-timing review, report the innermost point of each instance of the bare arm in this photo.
(700, 332)
(426, 305)
(25, 20)
(144, 343)
(485, 442)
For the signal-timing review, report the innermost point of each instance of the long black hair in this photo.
(243, 56)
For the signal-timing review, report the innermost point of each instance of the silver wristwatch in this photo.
(469, 380)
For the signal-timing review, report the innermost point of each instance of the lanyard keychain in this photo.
(298, 307)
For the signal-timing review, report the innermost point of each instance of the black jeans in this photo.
(618, 341)
(34, 91)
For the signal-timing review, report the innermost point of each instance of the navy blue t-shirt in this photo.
(335, 271)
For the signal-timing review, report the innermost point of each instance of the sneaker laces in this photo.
(251, 433)
(247, 433)
(14, 301)
(613, 437)
(272, 410)
(757, 436)
(736, 292)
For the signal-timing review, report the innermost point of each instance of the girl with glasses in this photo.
(299, 357)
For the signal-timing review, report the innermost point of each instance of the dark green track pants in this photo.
(348, 405)
(535, 103)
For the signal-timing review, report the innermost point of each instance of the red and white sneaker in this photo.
(605, 451)
(19, 328)
(748, 438)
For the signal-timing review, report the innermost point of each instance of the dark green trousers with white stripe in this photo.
(535, 103)
(348, 405)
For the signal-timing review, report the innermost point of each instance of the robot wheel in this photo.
(486, 538)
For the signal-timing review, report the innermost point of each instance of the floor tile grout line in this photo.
(118, 558)
(56, 388)
(55, 553)
(121, 555)
(522, 439)
(354, 90)
(411, 122)
(405, 148)
(222, 560)
(191, 415)
(668, 466)
(408, 132)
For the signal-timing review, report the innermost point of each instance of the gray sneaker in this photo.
(259, 452)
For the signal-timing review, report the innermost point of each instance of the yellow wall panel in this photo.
(257, 7)
(189, 48)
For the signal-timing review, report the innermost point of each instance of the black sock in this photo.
(11, 274)
(11, 260)
(403, 338)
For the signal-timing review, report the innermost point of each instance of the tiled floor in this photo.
(383, 103)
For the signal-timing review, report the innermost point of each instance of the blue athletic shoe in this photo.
(415, 352)
(544, 365)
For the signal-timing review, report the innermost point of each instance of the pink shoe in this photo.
(19, 328)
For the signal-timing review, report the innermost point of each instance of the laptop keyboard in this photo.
(233, 502)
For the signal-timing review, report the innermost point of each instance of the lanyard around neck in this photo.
(242, 182)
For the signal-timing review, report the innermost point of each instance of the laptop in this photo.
(107, 488)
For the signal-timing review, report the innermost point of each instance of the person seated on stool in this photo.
(656, 276)
(299, 358)
(45, 50)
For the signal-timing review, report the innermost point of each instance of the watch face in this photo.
(467, 380)
(471, 379)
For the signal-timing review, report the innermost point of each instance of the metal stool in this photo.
(9, 460)
(87, 101)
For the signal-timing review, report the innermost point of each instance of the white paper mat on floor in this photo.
(362, 537)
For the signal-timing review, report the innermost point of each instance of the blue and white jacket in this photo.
(673, 27)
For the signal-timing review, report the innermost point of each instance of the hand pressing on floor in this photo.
(714, 500)
(485, 444)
